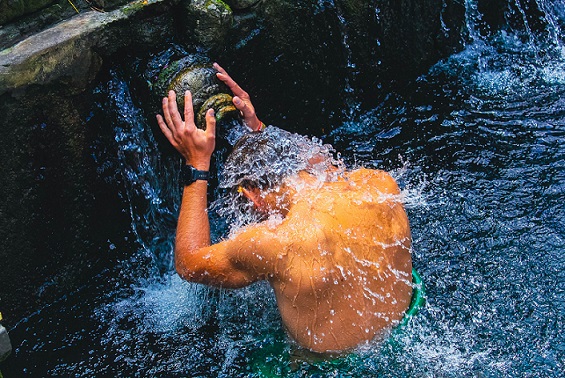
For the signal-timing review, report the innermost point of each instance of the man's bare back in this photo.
(338, 259)
(339, 262)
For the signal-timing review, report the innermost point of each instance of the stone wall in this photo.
(20, 19)
(55, 209)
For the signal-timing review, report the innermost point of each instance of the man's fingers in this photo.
(166, 114)
(232, 85)
(210, 123)
(166, 131)
(220, 69)
(248, 113)
(243, 107)
(188, 111)
(226, 78)
(239, 103)
(174, 112)
(241, 99)
(193, 144)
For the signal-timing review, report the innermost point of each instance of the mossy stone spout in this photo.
(198, 80)
(207, 91)
(223, 107)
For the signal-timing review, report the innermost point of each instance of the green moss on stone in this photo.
(134, 7)
(218, 3)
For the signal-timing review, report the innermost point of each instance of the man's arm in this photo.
(224, 264)
(235, 262)
(196, 146)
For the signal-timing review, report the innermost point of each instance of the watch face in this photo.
(187, 174)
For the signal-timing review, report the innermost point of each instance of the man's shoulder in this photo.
(368, 171)
(374, 177)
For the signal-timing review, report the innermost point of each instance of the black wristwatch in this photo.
(189, 174)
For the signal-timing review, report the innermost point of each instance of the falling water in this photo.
(153, 202)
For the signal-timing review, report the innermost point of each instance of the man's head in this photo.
(262, 163)
(265, 159)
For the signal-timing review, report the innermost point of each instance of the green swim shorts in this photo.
(277, 357)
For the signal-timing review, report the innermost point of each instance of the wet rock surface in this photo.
(207, 22)
(19, 23)
(11, 9)
(72, 52)
(401, 38)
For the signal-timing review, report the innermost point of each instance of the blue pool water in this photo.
(478, 146)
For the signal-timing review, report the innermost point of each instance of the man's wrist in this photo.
(259, 126)
(200, 165)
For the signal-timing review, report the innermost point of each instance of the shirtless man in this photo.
(339, 259)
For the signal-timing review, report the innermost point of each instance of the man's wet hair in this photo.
(266, 158)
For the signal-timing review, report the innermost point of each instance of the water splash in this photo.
(473, 20)
(265, 160)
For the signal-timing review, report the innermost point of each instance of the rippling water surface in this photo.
(478, 146)
(482, 141)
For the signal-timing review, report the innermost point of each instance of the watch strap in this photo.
(189, 174)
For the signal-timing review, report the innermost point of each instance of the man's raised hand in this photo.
(194, 144)
(241, 100)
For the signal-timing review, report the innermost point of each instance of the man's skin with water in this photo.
(338, 259)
